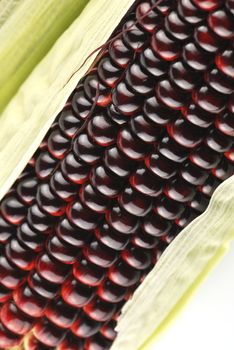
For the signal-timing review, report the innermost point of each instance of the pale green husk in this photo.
(178, 273)
(31, 112)
(28, 29)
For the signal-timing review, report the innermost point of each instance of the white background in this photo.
(207, 321)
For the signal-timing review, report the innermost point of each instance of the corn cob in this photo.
(134, 156)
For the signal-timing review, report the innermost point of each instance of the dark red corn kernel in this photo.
(92, 199)
(205, 158)
(108, 330)
(207, 5)
(224, 62)
(225, 124)
(29, 302)
(97, 342)
(80, 104)
(13, 210)
(189, 12)
(230, 155)
(100, 310)
(33, 344)
(165, 47)
(209, 99)
(156, 112)
(135, 203)
(179, 190)
(136, 257)
(82, 217)
(120, 220)
(144, 182)
(172, 150)
(172, 96)
(68, 122)
(47, 333)
(74, 170)
(108, 72)
(176, 27)
(70, 342)
(58, 144)
(219, 82)
(72, 235)
(137, 80)
(111, 238)
(26, 189)
(125, 100)
(50, 269)
(7, 338)
(161, 166)
(6, 230)
(193, 174)
(10, 276)
(168, 209)
(230, 6)
(14, 320)
(62, 187)
(5, 294)
(96, 91)
(209, 186)
(60, 314)
(38, 220)
(76, 294)
(217, 142)
(186, 217)
(86, 150)
(147, 19)
(207, 40)
(142, 128)
(101, 130)
(183, 77)
(199, 203)
(155, 225)
(117, 163)
(127, 143)
(198, 116)
(123, 275)
(133, 36)
(84, 326)
(196, 58)
(186, 134)
(44, 165)
(119, 53)
(144, 241)
(231, 103)
(104, 183)
(48, 201)
(111, 292)
(41, 286)
(61, 251)
(19, 255)
(116, 116)
(223, 170)
(88, 273)
(99, 254)
(163, 6)
(221, 22)
(152, 63)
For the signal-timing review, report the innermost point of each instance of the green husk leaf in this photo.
(178, 273)
(31, 112)
(28, 29)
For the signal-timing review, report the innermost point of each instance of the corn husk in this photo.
(28, 29)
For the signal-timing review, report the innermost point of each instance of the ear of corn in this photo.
(73, 222)
(29, 28)
(180, 270)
